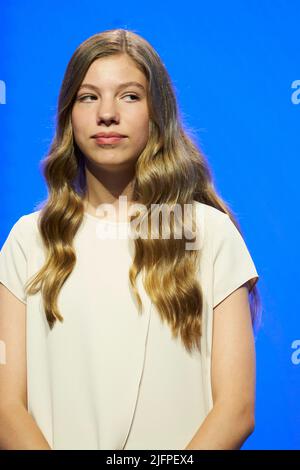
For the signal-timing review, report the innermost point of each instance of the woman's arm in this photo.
(18, 430)
(231, 419)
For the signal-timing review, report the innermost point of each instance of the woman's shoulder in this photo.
(209, 212)
(27, 221)
(25, 228)
(215, 226)
(210, 218)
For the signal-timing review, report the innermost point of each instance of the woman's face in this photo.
(105, 103)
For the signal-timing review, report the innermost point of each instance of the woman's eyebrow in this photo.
(120, 86)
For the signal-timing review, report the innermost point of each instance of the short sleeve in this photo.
(233, 265)
(13, 263)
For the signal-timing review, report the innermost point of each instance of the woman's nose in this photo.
(107, 111)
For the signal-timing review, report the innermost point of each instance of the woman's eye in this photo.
(130, 94)
(81, 98)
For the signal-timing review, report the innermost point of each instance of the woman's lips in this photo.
(108, 140)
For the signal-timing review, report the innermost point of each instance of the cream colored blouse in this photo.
(108, 378)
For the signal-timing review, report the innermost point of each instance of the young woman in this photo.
(125, 342)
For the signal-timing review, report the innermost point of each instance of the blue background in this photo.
(232, 65)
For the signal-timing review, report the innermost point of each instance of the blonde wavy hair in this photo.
(170, 170)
